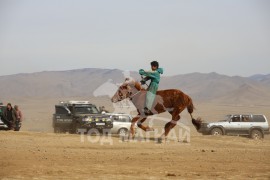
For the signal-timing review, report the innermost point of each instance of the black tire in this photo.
(216, 132)
(256, 134)
(122, 132)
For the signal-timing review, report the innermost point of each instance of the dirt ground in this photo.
(33, 155)
(37, 153)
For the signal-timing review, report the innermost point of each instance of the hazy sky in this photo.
(229, 37)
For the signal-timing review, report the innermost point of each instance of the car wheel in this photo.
(216, 132)
(122, 132)
(256, 134)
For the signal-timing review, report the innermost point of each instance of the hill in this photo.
(265, 79)
(210, 87)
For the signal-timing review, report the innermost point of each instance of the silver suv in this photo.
(253, 125)
(121, 123)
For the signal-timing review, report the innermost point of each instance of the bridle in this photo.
(130, 95)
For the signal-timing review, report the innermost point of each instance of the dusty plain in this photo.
(37, 153)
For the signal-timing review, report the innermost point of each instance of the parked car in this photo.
(72, 116)
(121, 123)
(3, 124)
(252, 125)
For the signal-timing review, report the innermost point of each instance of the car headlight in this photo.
(103, 119)
(96, 119)
(85, 119)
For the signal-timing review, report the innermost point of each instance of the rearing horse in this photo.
(172, 100)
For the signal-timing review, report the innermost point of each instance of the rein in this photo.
(134, 94)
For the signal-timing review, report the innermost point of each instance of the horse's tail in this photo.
(190, 108)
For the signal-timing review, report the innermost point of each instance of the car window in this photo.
(236, 118)
(115, 118)
(125, 119)
(60, 110)
(245, 118)
(86, 110)
(258, 118)
(226, 118)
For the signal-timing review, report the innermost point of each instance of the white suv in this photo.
(254, 125)
(121, 123)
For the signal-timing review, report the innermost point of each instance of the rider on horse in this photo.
(154, 76)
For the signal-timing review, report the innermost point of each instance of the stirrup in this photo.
(147, 111)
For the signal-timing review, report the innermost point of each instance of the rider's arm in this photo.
(147, 74)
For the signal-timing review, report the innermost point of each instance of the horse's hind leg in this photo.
(168, 126)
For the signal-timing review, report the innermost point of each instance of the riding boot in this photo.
(147, 111)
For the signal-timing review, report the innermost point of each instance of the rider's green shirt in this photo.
(154, 76)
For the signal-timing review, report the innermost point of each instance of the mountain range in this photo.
(207, 87)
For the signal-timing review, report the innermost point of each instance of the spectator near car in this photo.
(19, 116)
(253, 125)
(103, 110)
(10, 116)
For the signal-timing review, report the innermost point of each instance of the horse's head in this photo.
(125, 91)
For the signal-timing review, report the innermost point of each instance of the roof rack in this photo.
(74, 102)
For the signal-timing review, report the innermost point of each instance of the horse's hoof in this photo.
(150, 129)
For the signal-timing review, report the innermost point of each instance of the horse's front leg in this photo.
(132, 127)
(145, 128)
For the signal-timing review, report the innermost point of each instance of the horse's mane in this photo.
(134, 83)
(138, 86)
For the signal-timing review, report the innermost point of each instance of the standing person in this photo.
(103, 110)
(19, 116)
(10, 116)
(154, 76)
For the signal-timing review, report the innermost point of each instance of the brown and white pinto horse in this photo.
(172, 100)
